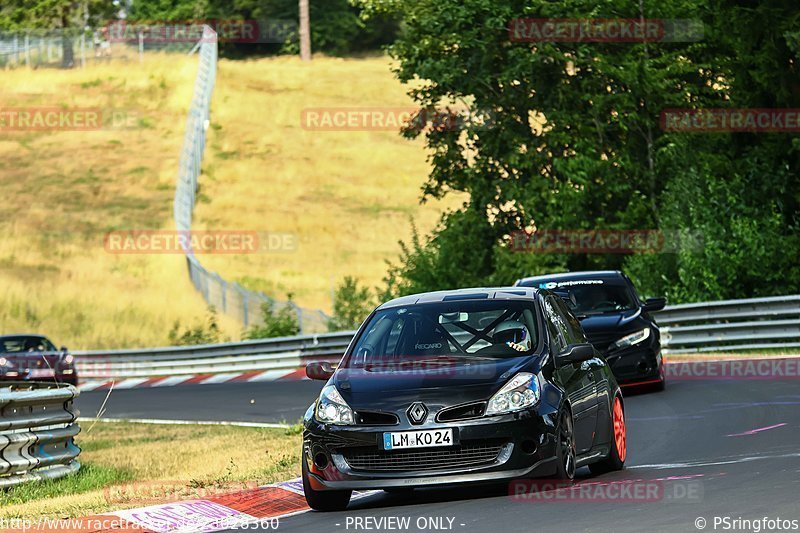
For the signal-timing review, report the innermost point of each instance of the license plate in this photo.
(42, 373)
(418, 439)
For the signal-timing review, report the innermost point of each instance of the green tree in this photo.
(576, 143)
(70, 17)
(351, 305)
(277, 321)
(336, 25)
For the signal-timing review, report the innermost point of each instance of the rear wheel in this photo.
(619, 444)
(324, 500)
(565, 448)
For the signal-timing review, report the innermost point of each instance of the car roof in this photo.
(573, 276)
(11, 335)
(475, 293)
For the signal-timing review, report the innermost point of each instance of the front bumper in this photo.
(637, 364)
(25, 375)
(526, 442)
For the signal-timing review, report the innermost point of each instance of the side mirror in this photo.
(320, 371)
(575, 353)
(64, 349)
(654, 304)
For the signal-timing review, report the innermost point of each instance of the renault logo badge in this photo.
(417, 413)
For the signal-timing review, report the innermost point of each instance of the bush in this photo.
(208, 333)
(351, 305)
(277, 321)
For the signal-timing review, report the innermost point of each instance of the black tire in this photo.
(565, 448)
(324, 500)
(615, 460)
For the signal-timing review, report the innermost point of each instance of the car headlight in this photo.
(633, 338)
(69, 359)
(332, 409)
(521, 392)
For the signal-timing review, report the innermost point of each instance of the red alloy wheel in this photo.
(619, 429)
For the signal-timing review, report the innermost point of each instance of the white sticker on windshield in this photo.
(555, 285)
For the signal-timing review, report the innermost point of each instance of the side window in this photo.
(574, 331)
(554, 325)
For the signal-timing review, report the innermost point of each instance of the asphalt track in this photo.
(711, 449)
(275, 402)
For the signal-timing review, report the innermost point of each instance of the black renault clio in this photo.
(615, 320)
(461, 386)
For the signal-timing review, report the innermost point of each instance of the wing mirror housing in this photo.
(652, 305)
(576, 353)
(319, 370)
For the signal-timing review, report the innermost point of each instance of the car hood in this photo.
(390, 389)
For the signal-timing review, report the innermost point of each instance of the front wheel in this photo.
(619, 443)
(324, 500)
(565, 448)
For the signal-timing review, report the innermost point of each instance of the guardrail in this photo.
(229, 297)
(758, 323)
(37, 430)
(729, 325)
(283, 353)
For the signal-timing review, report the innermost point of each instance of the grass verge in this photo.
(132, 465)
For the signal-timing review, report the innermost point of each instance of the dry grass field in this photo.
(347, 196)
(134, 465)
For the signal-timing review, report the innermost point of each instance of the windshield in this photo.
(25, 344)
(447, 333)
(592, 296)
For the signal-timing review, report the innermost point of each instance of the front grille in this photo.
(466, 454)
(461, 412)
(370, 418)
